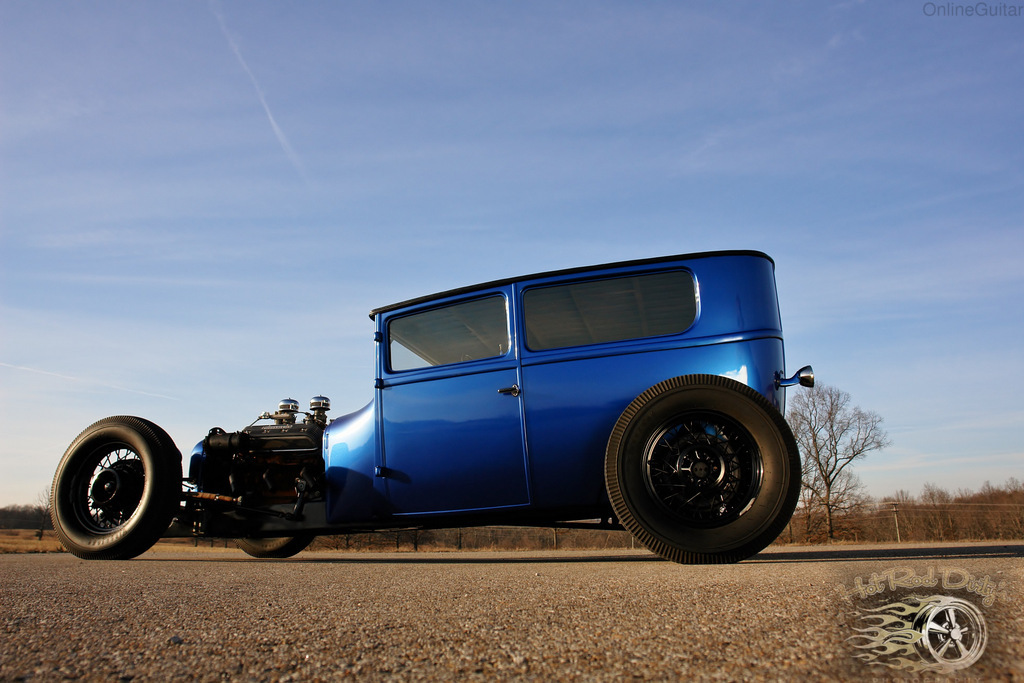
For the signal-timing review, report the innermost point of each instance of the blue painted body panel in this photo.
(454, 443)
(351, 451)
(442, 440)
(572, 405)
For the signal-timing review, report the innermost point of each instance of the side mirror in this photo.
(804, 377)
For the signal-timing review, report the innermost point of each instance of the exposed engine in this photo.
(267, 464)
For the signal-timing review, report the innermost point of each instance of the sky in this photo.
(201, 201)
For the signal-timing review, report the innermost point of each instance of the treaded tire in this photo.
(116, 489)
(702, 470)
(275, 548)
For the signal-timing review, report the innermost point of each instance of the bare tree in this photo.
(832, 434)
(43, 507)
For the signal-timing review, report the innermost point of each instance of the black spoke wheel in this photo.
(116, 489)
(275, 548)
(702, 469)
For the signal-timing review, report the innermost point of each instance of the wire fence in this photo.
(899, 521)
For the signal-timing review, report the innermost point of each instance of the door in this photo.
(451, 414)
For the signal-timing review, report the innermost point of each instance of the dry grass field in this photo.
(18, 541)
(483, 538)
(486, 539)
(28, 541)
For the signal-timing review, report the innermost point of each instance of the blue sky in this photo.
(201, 201)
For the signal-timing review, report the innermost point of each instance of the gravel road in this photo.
(608, 615)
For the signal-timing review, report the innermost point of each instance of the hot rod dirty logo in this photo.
(927, 623)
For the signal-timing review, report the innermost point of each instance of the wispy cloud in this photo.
(70, 378)
(282, 139)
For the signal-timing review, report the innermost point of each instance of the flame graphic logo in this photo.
(934, 634)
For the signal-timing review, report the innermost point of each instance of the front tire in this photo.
(274, 548)
(702, 469)
(116, 489)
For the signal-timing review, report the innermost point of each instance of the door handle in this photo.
(511, 391)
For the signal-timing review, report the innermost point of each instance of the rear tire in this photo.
(275, 548)
(116, 489)
(702, 469)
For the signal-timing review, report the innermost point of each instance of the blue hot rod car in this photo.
(643, 394)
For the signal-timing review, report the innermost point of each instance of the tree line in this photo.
(25, 517)
(28, 516)
(991, 513)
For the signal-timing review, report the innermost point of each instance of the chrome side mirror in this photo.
(804, 377)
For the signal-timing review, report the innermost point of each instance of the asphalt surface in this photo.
(608, 615)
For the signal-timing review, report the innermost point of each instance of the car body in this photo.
(550, 399)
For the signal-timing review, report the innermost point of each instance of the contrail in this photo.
(281, 139)
(86, 381)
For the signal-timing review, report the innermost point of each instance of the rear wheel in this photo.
(116, 489)
(702, 469)
(275, 548)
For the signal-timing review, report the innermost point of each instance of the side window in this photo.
(452, 334)
(609, 310)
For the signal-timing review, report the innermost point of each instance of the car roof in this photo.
(566, 271)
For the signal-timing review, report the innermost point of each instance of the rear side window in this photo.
(609, 310)
(453, 334)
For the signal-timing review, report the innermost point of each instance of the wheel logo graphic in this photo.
(936, 634)
(953, 633)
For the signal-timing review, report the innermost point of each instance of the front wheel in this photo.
(702, 469)
(116, 489)
(274, 548)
